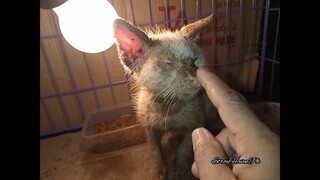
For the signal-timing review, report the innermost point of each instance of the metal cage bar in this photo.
(150, 13)
(240, 31)
(214, 29)
(264, 45)
(274, 56)
(109, 79)
(69, 69)
(55, 85)
(47, 112)
(94, 89)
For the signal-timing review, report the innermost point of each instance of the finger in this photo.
(231, 105)
(206, 148)
(194, 170)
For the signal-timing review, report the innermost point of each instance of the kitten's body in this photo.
(169, 101)
(170, 129)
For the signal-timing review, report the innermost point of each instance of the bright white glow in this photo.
(87, 24)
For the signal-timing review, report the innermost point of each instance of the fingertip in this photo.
(205, 151)
(197, 137)
(200, 135)
(203, 142)
(202, 71)
(203, 76)
(194, 170)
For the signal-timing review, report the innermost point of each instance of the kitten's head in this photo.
(163, 62)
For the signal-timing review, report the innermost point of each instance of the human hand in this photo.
(244, 134)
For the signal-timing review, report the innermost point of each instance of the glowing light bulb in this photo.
(87, 25)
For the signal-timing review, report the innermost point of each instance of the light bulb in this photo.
(87, 25)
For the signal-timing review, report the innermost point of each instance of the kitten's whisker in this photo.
(168, 95)
(170, 102)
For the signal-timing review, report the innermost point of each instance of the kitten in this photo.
(169, 101)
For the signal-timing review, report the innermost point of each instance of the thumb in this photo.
(206, 148)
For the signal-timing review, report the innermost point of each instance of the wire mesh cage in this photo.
(242, 45)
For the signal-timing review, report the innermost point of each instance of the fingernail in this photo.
(197, 136)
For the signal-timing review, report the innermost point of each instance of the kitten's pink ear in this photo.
(194, 29)
(131, 41)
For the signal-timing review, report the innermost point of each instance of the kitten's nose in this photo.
(199, 62)
(194, 59)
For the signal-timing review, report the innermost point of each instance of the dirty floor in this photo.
(62, 159)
